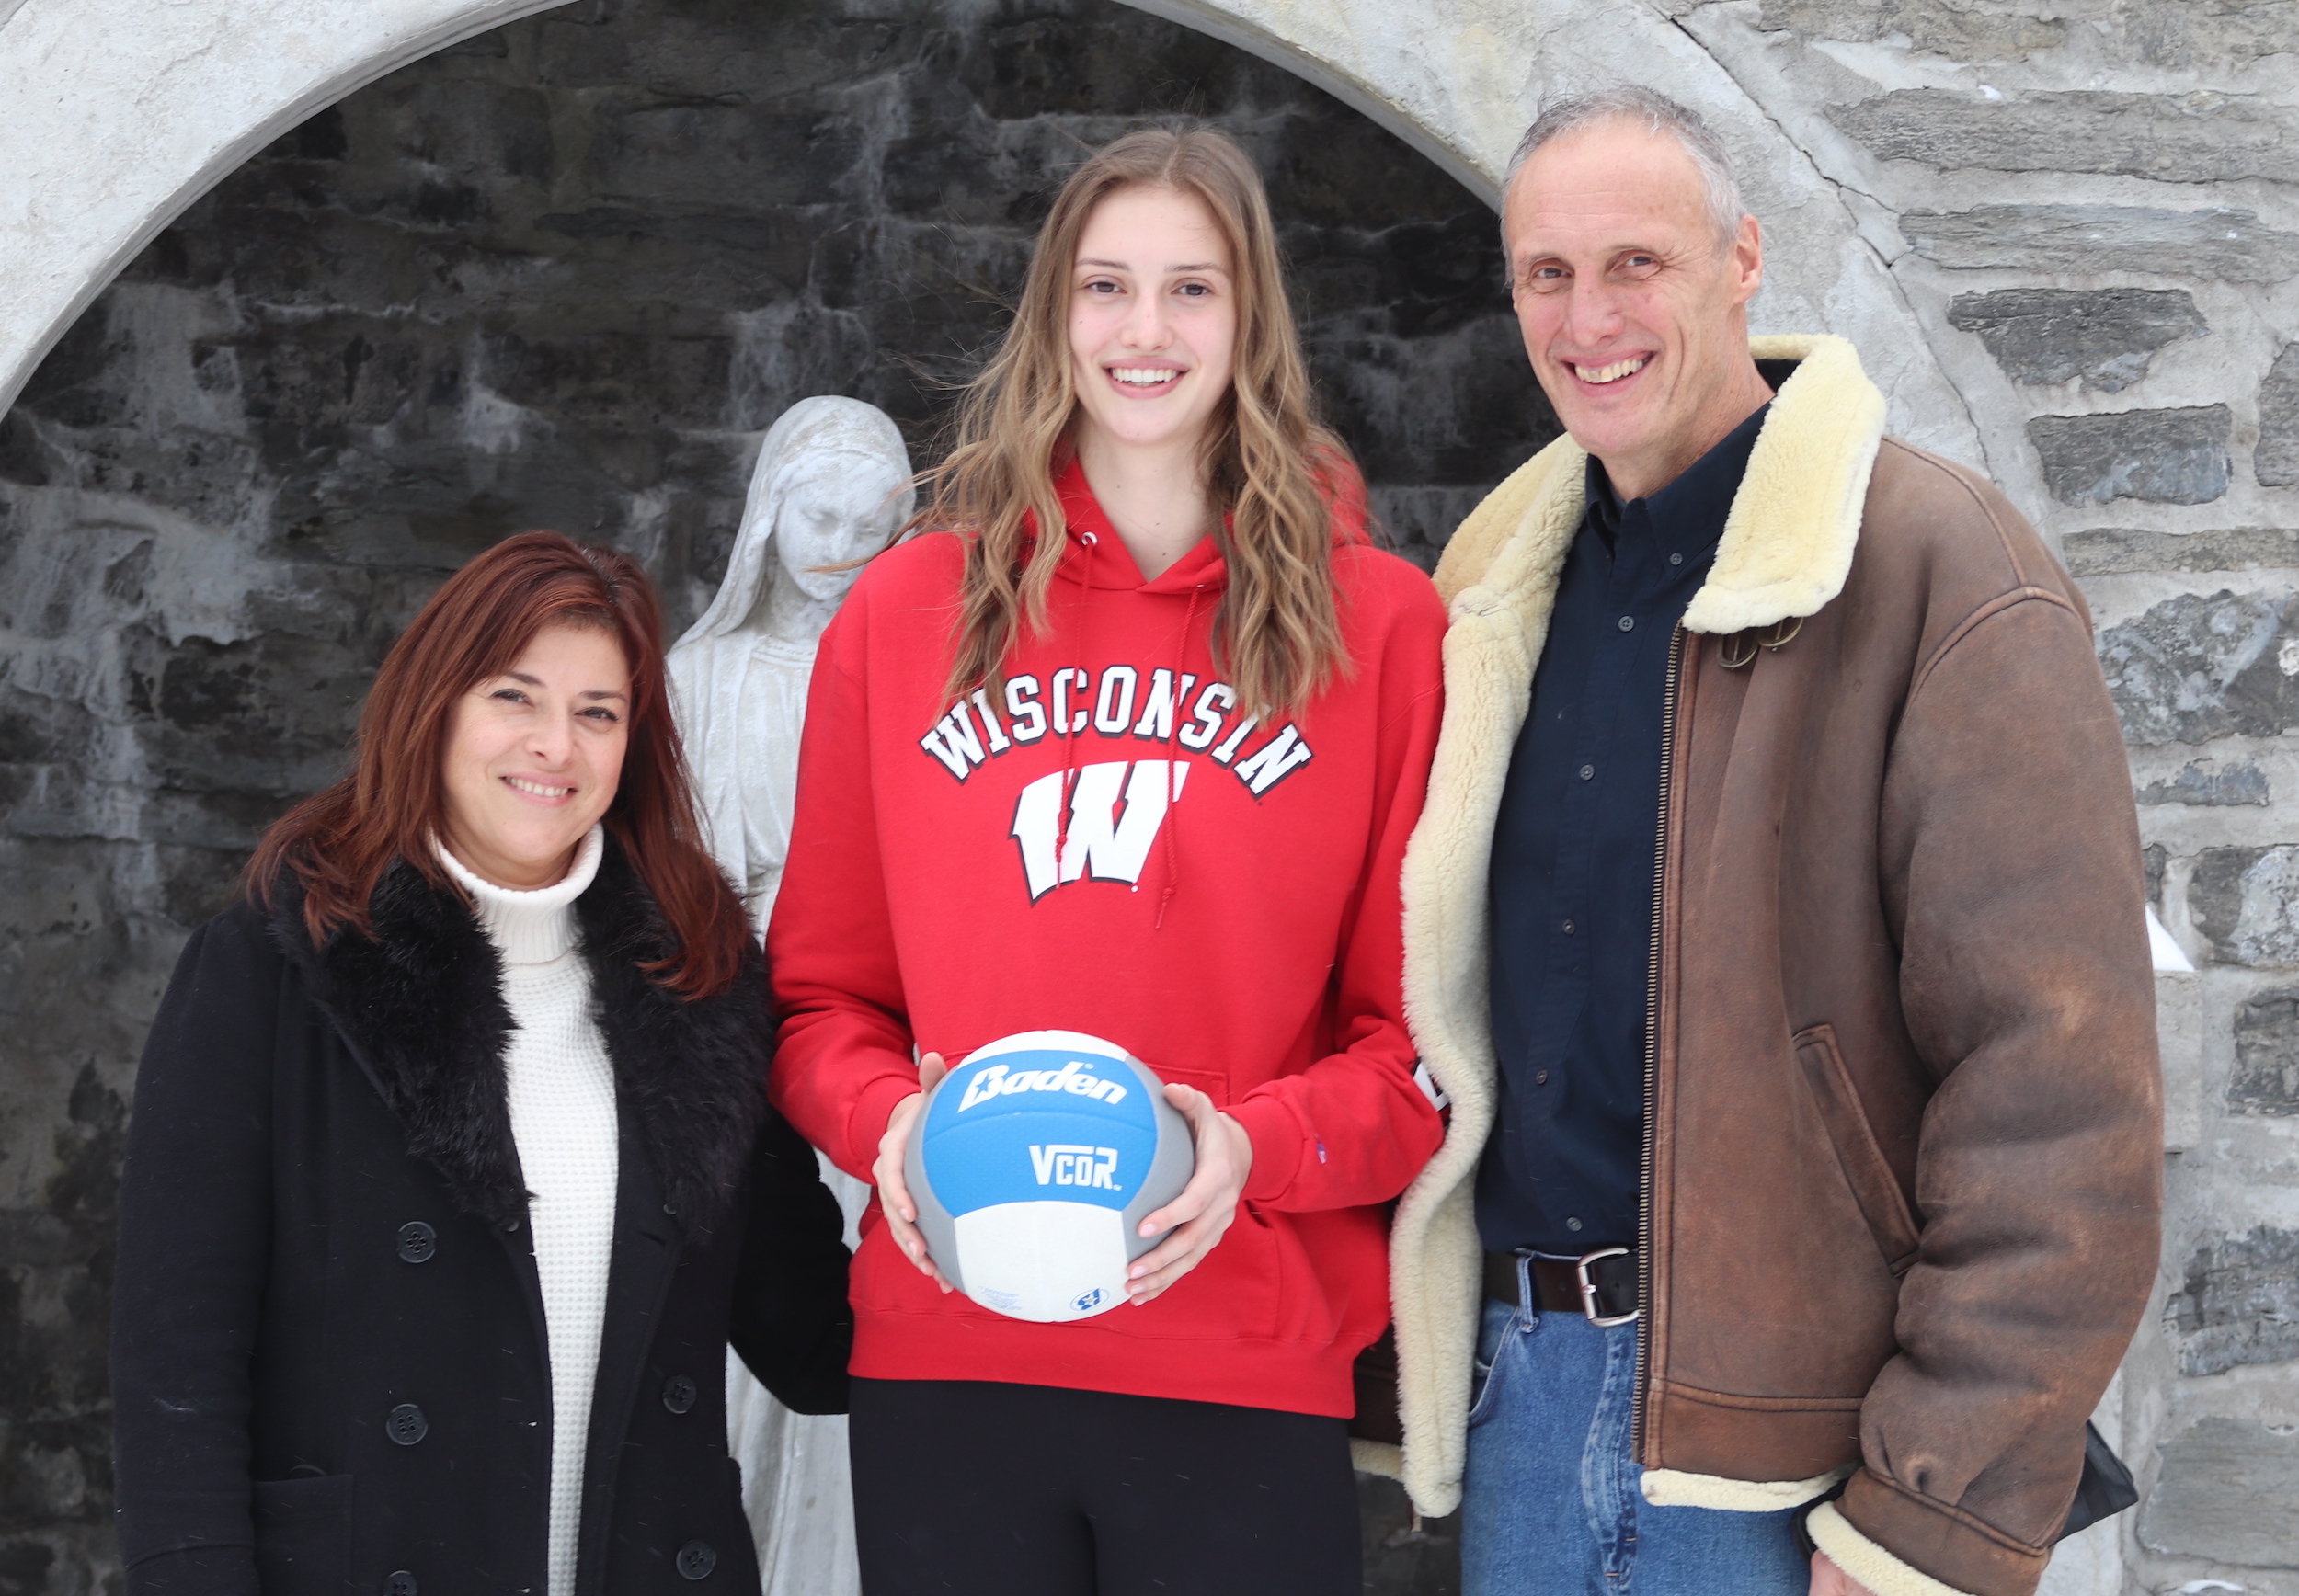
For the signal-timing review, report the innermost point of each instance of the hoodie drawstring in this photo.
(1068, 733)
(1172, 779)
(1173, 826)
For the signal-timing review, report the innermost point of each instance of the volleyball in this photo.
(1033, 1166)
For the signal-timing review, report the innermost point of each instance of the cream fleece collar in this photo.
(530, 927)
(1788, 542)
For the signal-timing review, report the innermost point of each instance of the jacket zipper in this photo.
(1653, 1043)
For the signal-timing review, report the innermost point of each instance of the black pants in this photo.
(986, 1489)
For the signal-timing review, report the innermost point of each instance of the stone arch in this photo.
(113, 119)
(116, 119)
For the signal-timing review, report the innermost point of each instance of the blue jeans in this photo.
(1553, 1507)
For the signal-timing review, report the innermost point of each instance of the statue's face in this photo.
(841, 509)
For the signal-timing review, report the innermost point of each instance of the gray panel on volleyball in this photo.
(1170, 1169)
(934, 1221)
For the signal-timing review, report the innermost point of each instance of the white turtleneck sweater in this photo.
(563, 1118)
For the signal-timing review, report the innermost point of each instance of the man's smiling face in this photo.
(1633, 312)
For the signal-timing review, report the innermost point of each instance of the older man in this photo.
(1774, 926)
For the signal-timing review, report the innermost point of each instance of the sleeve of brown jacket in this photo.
(2012, 876)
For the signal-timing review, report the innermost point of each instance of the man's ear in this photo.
(1747, 260)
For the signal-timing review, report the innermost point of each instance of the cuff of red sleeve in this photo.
(1900, 1544)
(867, 1126)
(1277, 1139)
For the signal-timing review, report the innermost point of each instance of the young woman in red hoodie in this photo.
(1126, 740)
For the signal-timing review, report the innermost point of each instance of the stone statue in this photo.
(831, 485)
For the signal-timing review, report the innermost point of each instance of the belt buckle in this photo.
(1588, 1289)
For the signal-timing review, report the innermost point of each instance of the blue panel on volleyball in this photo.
(1040, 1124)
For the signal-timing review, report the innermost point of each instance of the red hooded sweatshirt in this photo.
(934, 898)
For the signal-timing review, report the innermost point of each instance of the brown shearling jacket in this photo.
(1903, 1121)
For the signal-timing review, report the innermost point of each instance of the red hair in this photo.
(339, 843)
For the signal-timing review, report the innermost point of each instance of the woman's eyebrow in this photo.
(1191, 266)
(596, 693)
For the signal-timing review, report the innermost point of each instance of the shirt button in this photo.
(1589, 772)
(1569, 927)
(1676, 559)
(407, 1425)
(1573, 1224)
(1540, 1077)
(417, 1242)
(399, 1584)
(695, 1560)
(1627, 624)
(679, 1393)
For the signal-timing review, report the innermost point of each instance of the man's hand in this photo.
(1827, 1579)
(1206, 1206)
(894, 1191)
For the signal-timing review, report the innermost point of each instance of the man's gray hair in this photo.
(1656, 113)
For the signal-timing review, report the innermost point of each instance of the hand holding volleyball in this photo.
(894, 1197)
(1052, 1176)
(1207, 1205)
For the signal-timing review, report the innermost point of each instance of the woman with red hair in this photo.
(451, 1174)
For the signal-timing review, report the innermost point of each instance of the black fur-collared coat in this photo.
(329, 1366)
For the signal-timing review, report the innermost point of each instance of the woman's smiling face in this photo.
(533, 757)
(1152, 318)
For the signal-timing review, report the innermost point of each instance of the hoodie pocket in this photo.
(1244, 1286)
(302, 1535)
(1873, 1185)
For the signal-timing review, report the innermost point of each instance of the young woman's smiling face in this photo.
(534, 756)
(1152, 318)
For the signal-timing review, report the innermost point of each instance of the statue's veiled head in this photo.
(830, 487)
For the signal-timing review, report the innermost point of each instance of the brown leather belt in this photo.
(1601, 1286)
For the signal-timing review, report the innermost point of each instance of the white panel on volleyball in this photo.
(1047, 1261)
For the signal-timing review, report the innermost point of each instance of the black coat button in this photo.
(417, 1242)
(679, 1393)
(400, 1583)
(407, 1425)
(696, 1560)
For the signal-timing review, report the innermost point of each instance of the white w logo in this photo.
(1110, 832)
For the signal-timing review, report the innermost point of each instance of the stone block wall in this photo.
(562, 275)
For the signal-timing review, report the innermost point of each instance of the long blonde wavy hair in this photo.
(1270, 469)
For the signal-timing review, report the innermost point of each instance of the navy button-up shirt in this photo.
(1575, 851)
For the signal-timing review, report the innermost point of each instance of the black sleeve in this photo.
(195, 1246)
(791, 1322)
